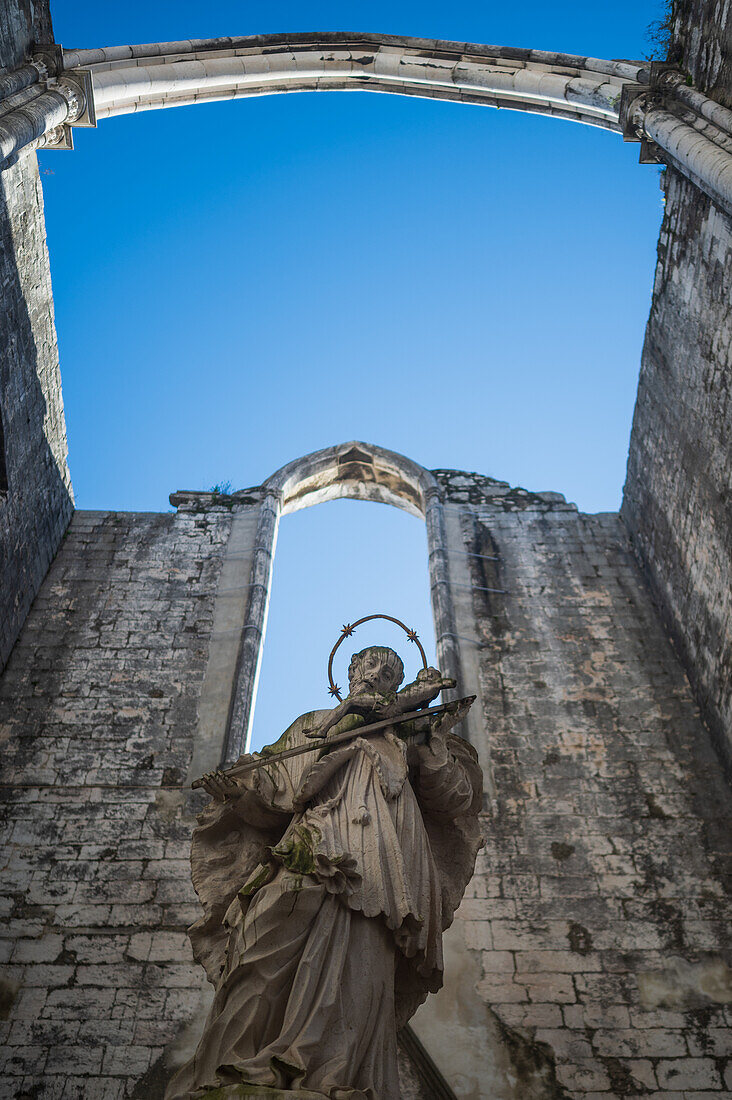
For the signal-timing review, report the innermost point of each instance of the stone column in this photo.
(255, 623)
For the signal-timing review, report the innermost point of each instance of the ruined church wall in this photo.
(35, 488)
(597, 921)
(98, 708)
(678, 492)
(589, 958)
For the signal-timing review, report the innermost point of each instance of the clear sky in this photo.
(237, 284)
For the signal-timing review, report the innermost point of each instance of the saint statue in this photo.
(327, 879)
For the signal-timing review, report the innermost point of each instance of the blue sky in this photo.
(240, 283)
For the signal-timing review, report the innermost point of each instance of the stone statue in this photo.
(327, 880)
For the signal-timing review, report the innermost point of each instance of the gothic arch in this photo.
(359, 471)
(126, 79)
(676, 124)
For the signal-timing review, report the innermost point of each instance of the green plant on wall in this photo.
(659, 34)
(221, 488)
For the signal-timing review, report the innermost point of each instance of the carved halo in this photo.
(349, 628)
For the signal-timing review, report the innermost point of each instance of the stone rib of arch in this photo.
(128, 79)
(675, 123)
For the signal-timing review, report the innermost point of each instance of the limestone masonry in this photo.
(596, 927)
(35, 488)
(590, 959)
(678, 493)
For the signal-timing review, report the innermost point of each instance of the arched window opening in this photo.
(366, 559)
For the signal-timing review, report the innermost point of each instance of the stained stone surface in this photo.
(598, 917)
(678, 492)
(245, 1092)
(593, 943)
(596, 926)
(35, 488)
(98, 706)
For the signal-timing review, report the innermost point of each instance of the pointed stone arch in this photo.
(356, 471)
(675, 123)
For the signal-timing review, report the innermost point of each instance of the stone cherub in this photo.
(327, 881)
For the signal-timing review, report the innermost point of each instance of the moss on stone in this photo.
(296, 851)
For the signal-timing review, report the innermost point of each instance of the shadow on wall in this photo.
(37, 505)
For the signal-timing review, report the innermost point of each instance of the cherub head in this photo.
(375, 669)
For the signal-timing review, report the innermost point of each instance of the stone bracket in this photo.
(650, 152)
(658, 68)
(63, 139)
(628, 96)
(51, 56)
(82, 79)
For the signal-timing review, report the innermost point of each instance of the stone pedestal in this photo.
(246, 1092)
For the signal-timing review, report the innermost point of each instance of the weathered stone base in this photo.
(234, 1092)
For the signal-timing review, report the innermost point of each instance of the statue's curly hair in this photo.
(391, 660)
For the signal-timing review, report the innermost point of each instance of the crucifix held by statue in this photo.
(328, 867)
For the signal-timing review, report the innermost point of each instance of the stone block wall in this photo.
(598, 920)
(35, 493)
(36, 501)
(596, 927)
(97, 718)
(22, 22)
(701, 43)
(101, 720)
(678, 493)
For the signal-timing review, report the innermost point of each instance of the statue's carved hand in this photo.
(417, 737)
(220, 786)
(433, 676)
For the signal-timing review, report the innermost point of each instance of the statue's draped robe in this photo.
(326, 892)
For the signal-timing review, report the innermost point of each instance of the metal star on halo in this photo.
(334, 690)
(412, 635)
(347, 630)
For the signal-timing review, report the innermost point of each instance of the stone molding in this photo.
(674, 122)
(132, 78)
